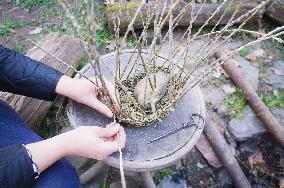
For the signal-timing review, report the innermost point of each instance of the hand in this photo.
(95, 142)
(90, 141)
(85, 92)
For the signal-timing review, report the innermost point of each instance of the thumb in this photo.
(109, 131)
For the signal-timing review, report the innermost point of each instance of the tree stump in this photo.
(66, 48)
(276, 11)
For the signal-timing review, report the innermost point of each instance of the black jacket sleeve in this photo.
(21, 75)
(16, 167)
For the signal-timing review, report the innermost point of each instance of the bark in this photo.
(69, 50)
(263, 113)
(276, 11)
(225, 155)
(242, 7)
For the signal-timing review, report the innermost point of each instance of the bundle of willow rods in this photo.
(184, 67)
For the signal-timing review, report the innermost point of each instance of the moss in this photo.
(159, 175)
(241, 6)
(124, 7)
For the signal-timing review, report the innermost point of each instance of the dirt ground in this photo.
(260, 157)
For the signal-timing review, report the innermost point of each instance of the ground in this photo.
(261, 158)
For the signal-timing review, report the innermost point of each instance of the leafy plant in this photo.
(236, 104)
(160, 174)
(19, 48)
(102, 36)
(218, 81)
(32, 3)
(274, 101)
(244, 52)
(10, 24)
(80, 64)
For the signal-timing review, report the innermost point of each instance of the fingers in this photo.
(112, 94)
(110, 131)
(122, 137)
(111, 90)
(102, 108)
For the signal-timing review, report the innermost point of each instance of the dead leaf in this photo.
(251, 57)
(217, 72)
(277, 72)
(259, 52)
(250, 162)
(35, 31)
(260, 163)
(229, 89)
(111, 45)
(281, 183)
(255, 54)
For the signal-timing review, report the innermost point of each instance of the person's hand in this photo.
(95, 142)
(85, 92)
(88, 141)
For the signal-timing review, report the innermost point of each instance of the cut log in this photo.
(225, 155)
(258, 106)
(276, 11)
(241, 7)
(66, 48)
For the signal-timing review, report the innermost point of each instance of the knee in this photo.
(60, 175)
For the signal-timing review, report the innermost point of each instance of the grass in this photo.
(102, 36)
(80, 64)
(28, 4)
(236, 104)
(132, 43)
(271, 45)
(160, 174)
(10, 23)
(218, 81)
(50, 12)
(19, 48)
(274, 101)
(244, 52)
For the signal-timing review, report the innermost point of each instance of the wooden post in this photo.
(68, 49)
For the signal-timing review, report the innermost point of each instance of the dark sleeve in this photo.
(21, 75)
(16, 167)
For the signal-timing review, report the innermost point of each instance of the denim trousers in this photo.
(14, 131)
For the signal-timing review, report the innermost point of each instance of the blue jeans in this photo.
(13, 131)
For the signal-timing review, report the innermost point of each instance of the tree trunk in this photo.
(69, 50)
(276, 11)
(242, 7)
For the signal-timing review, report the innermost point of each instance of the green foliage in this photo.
(132, 44)
(236, 104)
(159, 175)
(102, 36)
(50, 127)
(32, 3)
(10, 23)
(49, 13)
(218, 81)
(274, 101)
(19, 48)
(63, 27)
(80, 64)
(244, 52)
